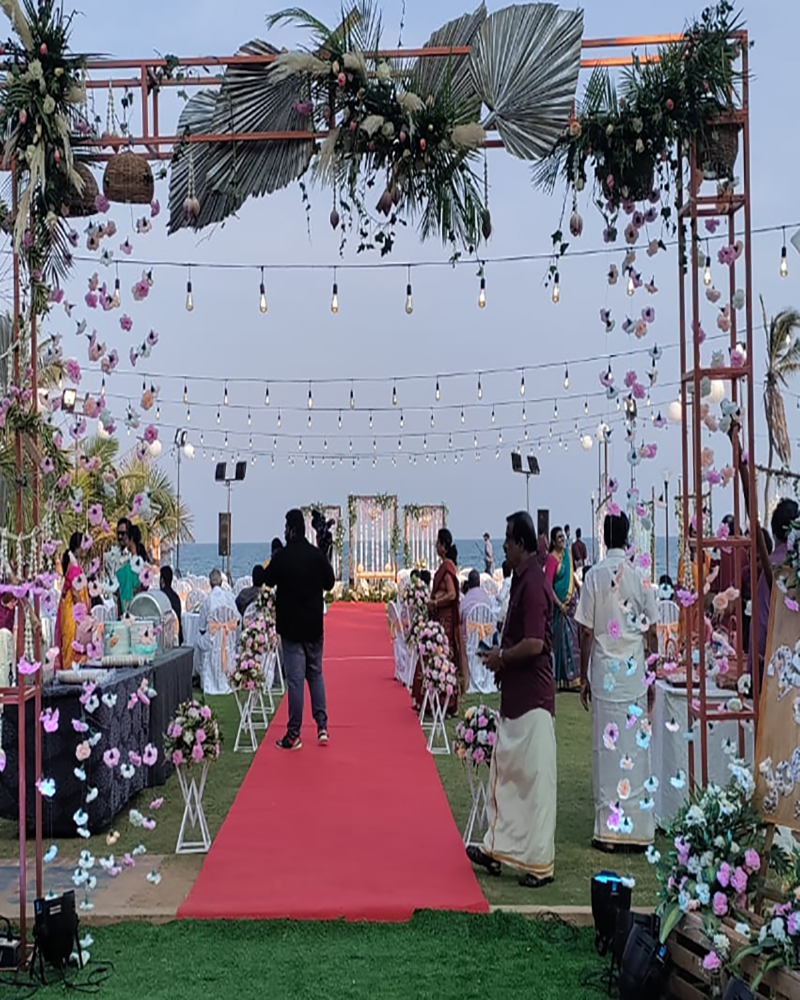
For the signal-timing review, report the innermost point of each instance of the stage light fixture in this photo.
(644, 966)
(69, 398)
(55, 931)
(609, 896)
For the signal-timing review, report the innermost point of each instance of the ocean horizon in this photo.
(200, 558)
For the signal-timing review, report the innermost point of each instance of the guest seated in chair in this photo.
(474, 595)
(216, 598)
(250, 594)
(217, 626)
(174, 600)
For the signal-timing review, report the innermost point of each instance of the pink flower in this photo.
(95, 515)
(101, 203)
(197, 752)
(205, 712)
(155, 208)
(151, 434)
(739, 880)
(111, 758)
(630, 379)
(614, 629)
(614, 509)
(720, 904)
(177, 758)
(682, 847)
(200, 736)
(134, 758)
(752, 861)
(712, 963)
(126, 323)
(791, 603)
(72, 370)
(83, 751)
(150, 755)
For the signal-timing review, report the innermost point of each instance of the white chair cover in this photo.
(101, 613)
(668, 613)
(489, 585)
(48, 628)
(399, 645)
(242, 584)
(480, 623)
(6, 657)
(219, 651)
(193, 600)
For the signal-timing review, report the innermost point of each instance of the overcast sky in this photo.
(226, 337)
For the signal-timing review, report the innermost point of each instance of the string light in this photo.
(482, 294)
(399, 444)
(409, 295)
(340, 420)
(250, 442)
(475, 440)
(116, 298)
(226, 439)
(522, 385)
(784, 261)
(335, 295)
(631, 287)
(707, 271)
(325, 445)
(219, 418)
(262, 301)
(450, 441)
(279, 419)
(462, 414)
(189, 293)
(480, 387)
(185, 392)
(374, 445)
(370, 419)
(266, 396)
(188, 415)
(425, 442)
(310, 398)
(492, 414)
(586, 406)
(402, 420)
(555, 410)
(158, 412)
(437, 393)
(249, 419)
(394, 395)
(309, 420)
(556, 296)
(524, 413)
(300, 445)
(433, 421)
(352, 399)
(225, 395)
(500, 437)
(566, 377)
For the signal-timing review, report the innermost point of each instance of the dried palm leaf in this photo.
(18, 22)
(525, 63)
(292, 63)
(471, 136)
(776, 423)
(432, 73)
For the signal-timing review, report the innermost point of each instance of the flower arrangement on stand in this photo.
(193, 735)
(416, 598)
(476, 735)
(438, 670)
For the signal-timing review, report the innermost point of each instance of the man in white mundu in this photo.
(618, 615)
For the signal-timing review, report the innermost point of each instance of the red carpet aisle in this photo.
(360, 829)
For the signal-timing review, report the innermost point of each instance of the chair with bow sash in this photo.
(667, 628)
(7, 660)
(480, 625)
(219, 652)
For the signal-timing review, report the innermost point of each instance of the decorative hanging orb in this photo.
(155, 449)
(675, 412)
(717, 393)
(586, 442)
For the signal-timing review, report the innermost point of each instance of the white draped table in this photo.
(191, 636)
(670, 750)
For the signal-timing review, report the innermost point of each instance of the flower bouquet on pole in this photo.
(439, 679)
(416, 599)
(192, 741)
(476, 736)
(247, 684)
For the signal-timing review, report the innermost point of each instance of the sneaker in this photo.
(322, 737)
(289, 743)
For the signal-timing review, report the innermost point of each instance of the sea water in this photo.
(200, 558)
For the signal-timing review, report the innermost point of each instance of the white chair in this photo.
(193, 600)
(480, 623)
(242, 584)
(399, 644)
(668, 613)
(100, 613)
(6, 664)
(47, 633)
(489, 585)
(219, 651)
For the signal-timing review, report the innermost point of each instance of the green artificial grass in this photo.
(576, 860)
(447, 955)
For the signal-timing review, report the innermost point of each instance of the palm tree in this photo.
(783, 361)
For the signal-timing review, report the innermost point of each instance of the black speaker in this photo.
(516, 461)
(609, 896)
(220, 472)
(644, 966)
(737, 990)
(626, 921)
(55, 930)
(543, 523)
(224, 548)
(533, 465)
(241, 471)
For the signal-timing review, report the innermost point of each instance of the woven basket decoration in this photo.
(128, 179)
(83, 204)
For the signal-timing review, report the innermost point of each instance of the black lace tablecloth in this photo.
(120, 726)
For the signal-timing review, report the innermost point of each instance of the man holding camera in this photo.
(301, 573)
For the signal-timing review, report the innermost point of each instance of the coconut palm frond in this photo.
(169, 520)
(776, 423)
(525, 63)
(449, 203)
(251, 101)
(299, 18)
(430, 74)
(215, 204)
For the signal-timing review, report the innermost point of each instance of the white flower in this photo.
(652, 855)
(721, 945)
(383, 72)
(778, 930)
(743, 929)
(785, 842)
(693, 865)
(629, 882)
(762, 934)
(719, 843)
(695, 816)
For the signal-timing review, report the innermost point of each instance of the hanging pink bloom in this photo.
(47, 465)
(91, 300)
(630, 379)
(152, 338)
(126, 323)
(72, 370)
(155, 208)
(95, 515)
(126, 247)
(151, 434)
(101, 203)
(111, 758)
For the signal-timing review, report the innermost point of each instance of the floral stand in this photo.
(252, 715)
(478, 821)
(438, 742)
(194, 819)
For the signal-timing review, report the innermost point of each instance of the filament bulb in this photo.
(116, 299)
(335, 299)
(438, 393)
(566, 378)
(556, 296)
(266, 396)
(784, 263)
(482, 295)
(631, 287)
(480, 388)
(352, 399)
(409, 300)
(522, 385)
(394, 395)
(225, 395)
(262, 301)
(189, 296)
(707, 272)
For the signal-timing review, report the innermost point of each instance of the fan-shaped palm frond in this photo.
(525, 63)
(430, 74)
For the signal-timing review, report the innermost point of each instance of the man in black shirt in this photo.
(174, 600)
(301, 574)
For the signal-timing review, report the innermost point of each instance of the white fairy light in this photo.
(262, 300)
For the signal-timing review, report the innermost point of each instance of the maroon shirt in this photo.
(530, 684)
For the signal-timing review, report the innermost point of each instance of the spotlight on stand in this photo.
(55, 932)
(609, 896)
(737, 990)
(69, 397)
(532, 470)
(644, 966)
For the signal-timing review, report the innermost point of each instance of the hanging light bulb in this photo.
(462, 414)
(225, 395)
(433, 421)
(374, 445)
(370, 419)
(103, 392)
(274, 443)
(555, 410)
(566, 377)
(586, 406)
(480, 388)
(116, 298)
(325, 445)
(500, 437)
(188, 415)
(189, 294)
(450, 441)
(310, 398)
(351, 445)
(249, 418)
(158, 411)
(262, 301)
(279, 419)
(551, 431)
(524, 413)
(425, 442)
(409, 295)
(352, 399)
(340, 420)
(784, 261)
(707, 272)
(402, 420)
(202, 439)
(226, 439)
(394, 395)
(522, 385)
(219, 418)
(266, 396)
(492, 414)
(250, 442)
(576, 427)
(556, 296)
(437, 393)
(300, 445)
(185, 392)
(335, 295)
(631, 287)
(475, 440)
(482, 294)
(399, 444)
(309, 420)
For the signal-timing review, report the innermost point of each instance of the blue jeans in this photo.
(302, 661)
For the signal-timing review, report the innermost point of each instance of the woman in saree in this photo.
(74, 595)
(558, 570)
(444, 607)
